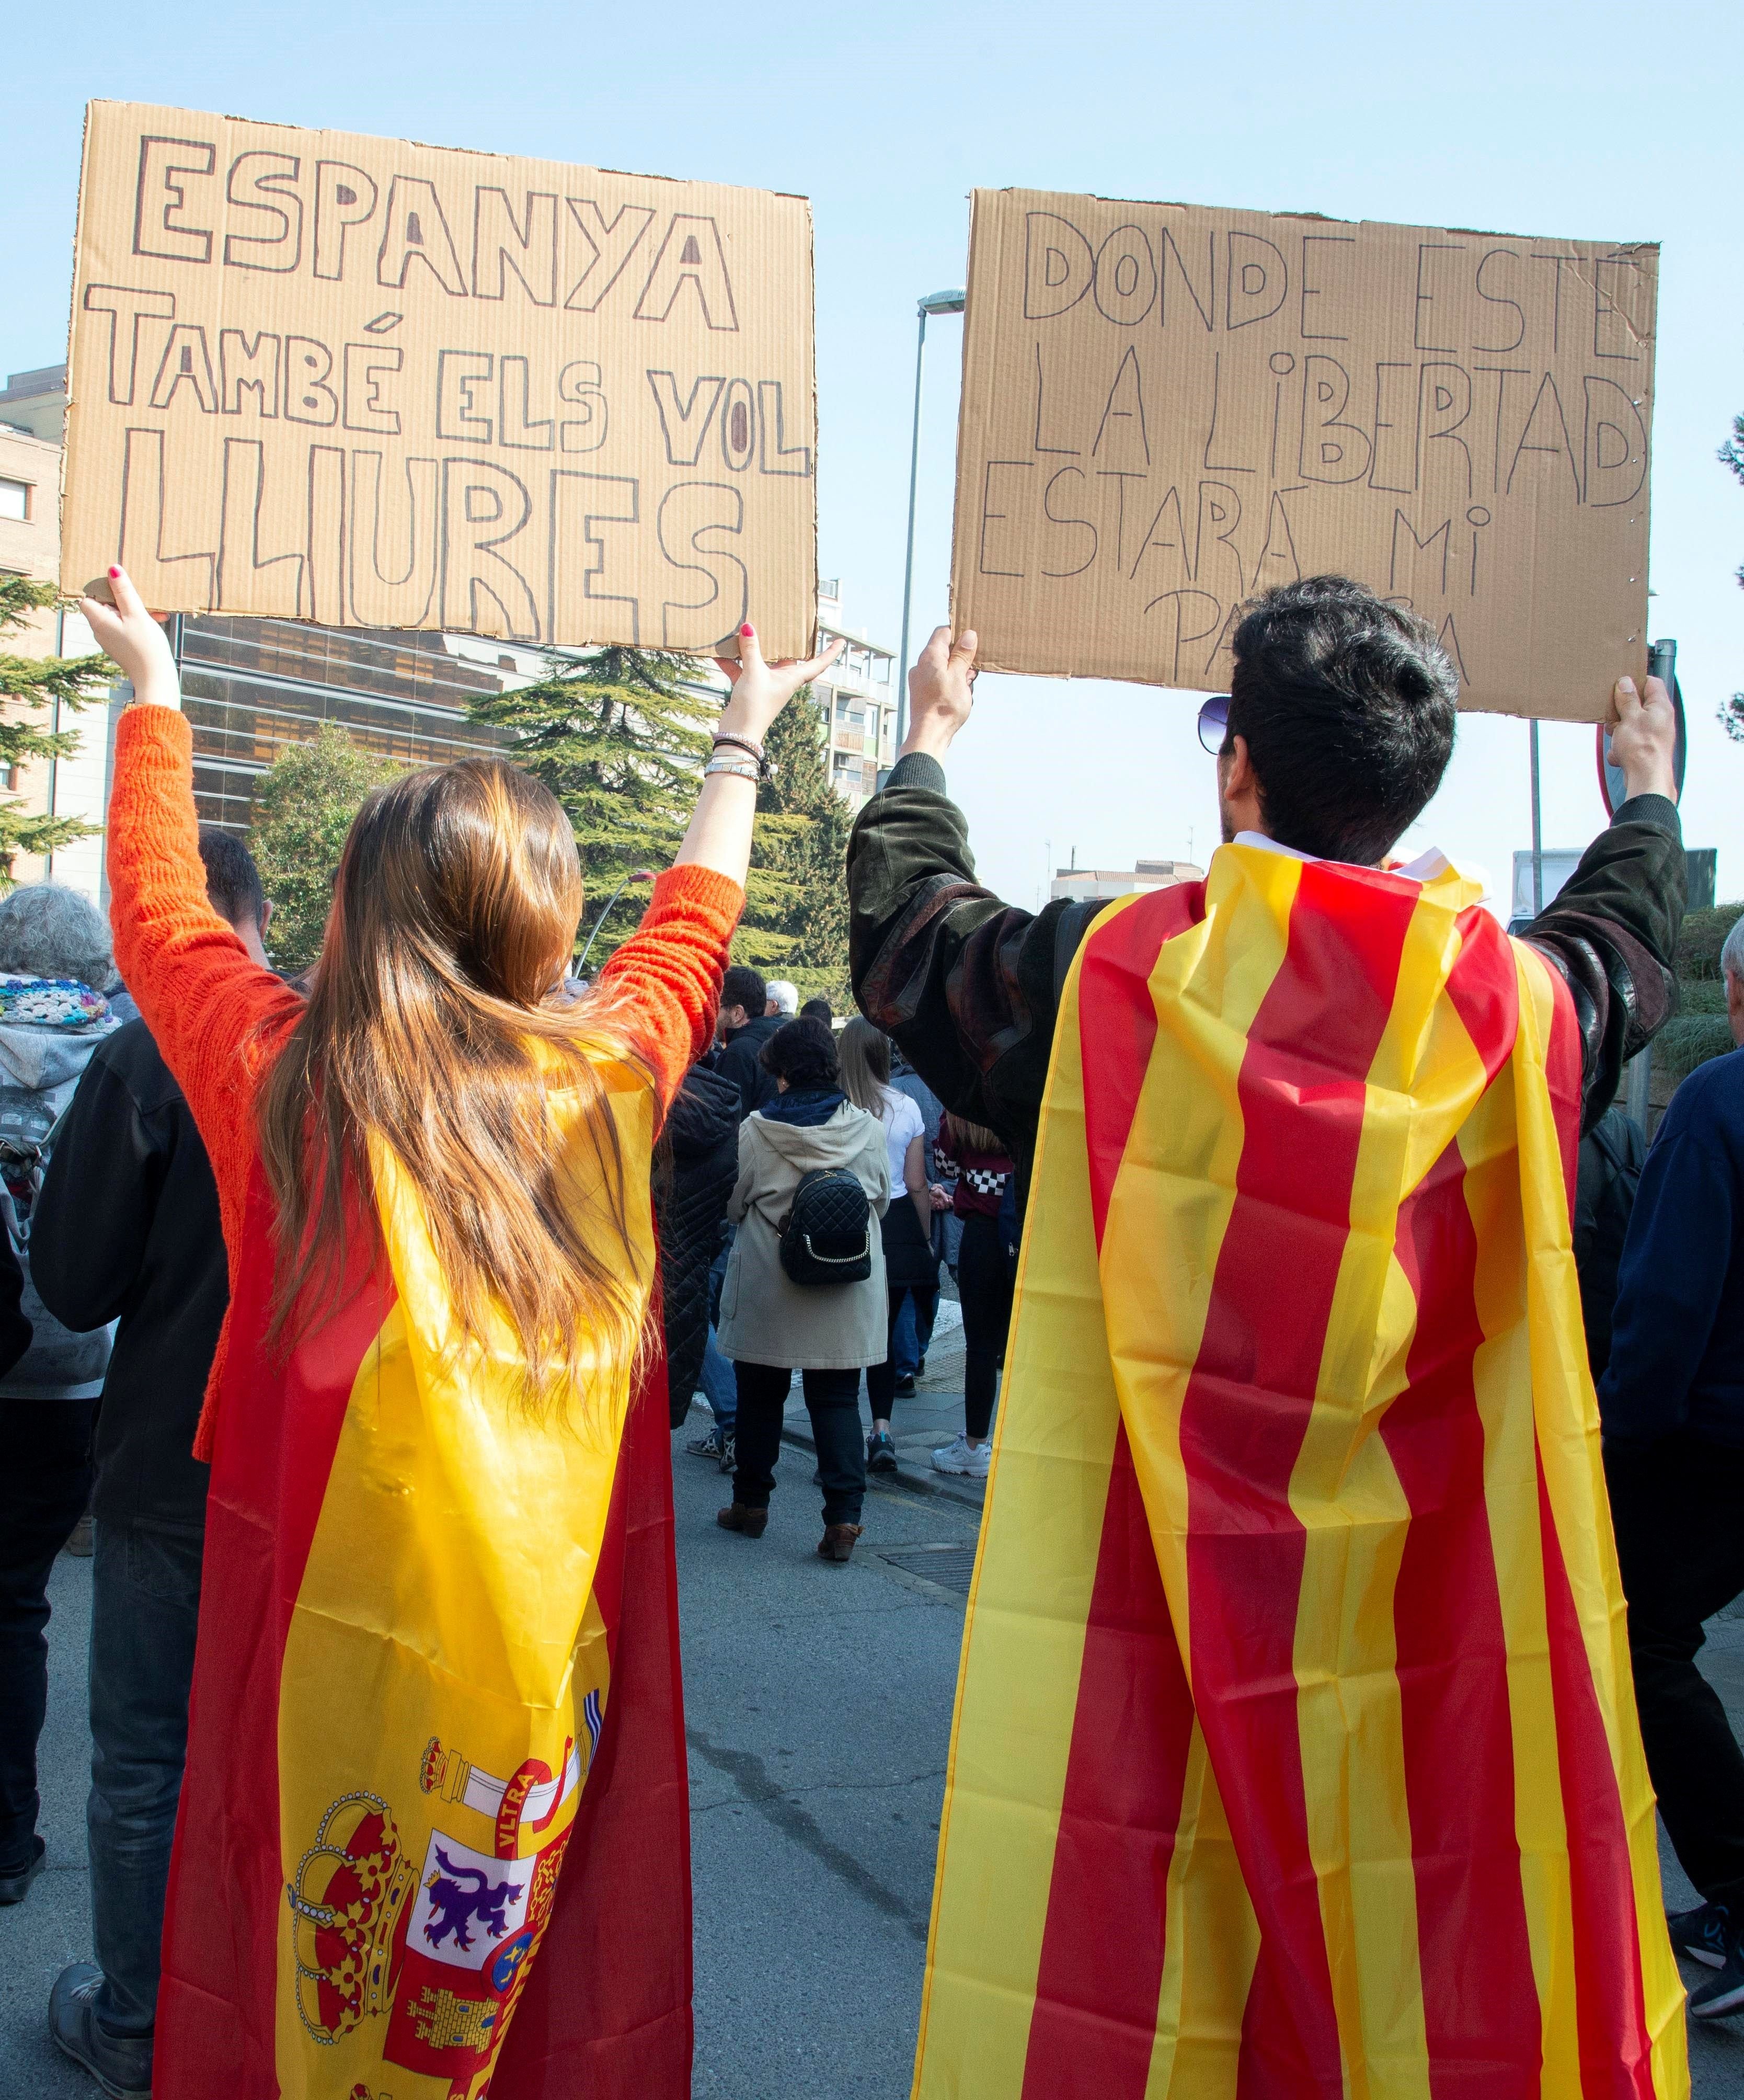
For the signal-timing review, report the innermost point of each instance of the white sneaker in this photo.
(964, 1457)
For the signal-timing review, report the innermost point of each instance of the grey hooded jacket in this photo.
(765, 1317)
(40, 1068)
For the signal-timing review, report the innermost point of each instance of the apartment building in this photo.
(858, 700)
(33, 405)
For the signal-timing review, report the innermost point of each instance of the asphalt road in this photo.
(819, 1703)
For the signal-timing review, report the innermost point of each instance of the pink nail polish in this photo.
(115, 572)
(747, 628)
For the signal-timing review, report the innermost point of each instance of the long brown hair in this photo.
(962, 1136)
(865, 1051)
(434, 1027)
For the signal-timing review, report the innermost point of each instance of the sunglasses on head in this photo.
(1214, 722)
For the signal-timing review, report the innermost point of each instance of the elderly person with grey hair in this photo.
(54, 960)
(1671, 1402)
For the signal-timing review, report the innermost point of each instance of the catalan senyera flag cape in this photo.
(434, 1832)
(1295, 1751)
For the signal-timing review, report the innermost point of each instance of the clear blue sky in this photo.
(1591, 121)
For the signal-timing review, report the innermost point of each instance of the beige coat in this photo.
(766, 1318)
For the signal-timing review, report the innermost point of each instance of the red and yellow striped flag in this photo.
(1296, 1751)
(434, 1837)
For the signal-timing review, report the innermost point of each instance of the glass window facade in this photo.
(251, 687)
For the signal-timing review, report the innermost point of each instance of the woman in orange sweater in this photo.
(438, 1643)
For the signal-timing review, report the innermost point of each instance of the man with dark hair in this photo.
(1295, 1584)
(127, 1229)
(740, 1030)
(817, 1009)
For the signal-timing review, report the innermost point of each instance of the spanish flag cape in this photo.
(434, 1835)
(1295, 1751)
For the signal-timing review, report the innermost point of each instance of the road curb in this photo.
(936, 1484)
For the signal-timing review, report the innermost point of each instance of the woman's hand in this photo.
(719, 833)
(760, 690)
(130, 636)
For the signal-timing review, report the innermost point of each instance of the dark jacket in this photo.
(1677, 1339)
(127, 1228)
(969, 986)
(1611, 1156)
(737, 1060)
(690, 1205)
(15, 1329)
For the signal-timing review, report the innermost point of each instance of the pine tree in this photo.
(801, 849)
(303, 808)
(1732, 455)
(32, 684)
(620, 738)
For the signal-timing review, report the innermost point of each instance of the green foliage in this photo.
(1699, 1030)
(303, 808)
(619, 738)
(1691, 1039)
(1699, 943)
(796, 926)
(33, 685)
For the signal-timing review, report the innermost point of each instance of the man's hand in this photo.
(1644, 741)
(941, 691)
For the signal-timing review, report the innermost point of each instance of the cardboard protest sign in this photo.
(1167, 409)
(351, 380)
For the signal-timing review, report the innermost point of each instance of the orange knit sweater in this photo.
(220, 1020)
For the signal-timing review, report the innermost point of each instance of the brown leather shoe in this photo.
(838, 1541)
(740, 1517)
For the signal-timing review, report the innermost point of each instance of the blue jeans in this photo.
(914, 1330)
(145, 1606)
(720, 1385)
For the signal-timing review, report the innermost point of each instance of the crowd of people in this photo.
(327, 1310)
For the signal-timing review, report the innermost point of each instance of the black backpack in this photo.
(827, 1237)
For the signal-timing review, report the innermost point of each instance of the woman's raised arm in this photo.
(207, 1004)
(669, 970)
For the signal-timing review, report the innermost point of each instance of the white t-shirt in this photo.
(903, 1122)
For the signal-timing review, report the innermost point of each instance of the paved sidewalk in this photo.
(818, 1702)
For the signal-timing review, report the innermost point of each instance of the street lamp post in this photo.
(935, 302)
(636, 875)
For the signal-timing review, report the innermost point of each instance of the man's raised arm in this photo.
(1612, 929)
(967, 985)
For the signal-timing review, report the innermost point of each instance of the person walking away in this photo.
(772, 1326)
(126, 1230)
(434, 1732)
(911, 1267)
(986, 1270)
(914, 1323)
(1609, 1173)
(54, 951)
(1672, 1404)
(743, 1028)
(1295, 1576)
(782, 999)
(696, 1165)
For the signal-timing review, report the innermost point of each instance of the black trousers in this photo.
(984, 1283)
(45, 1482)
(1678, 1508)
(832, 1399)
